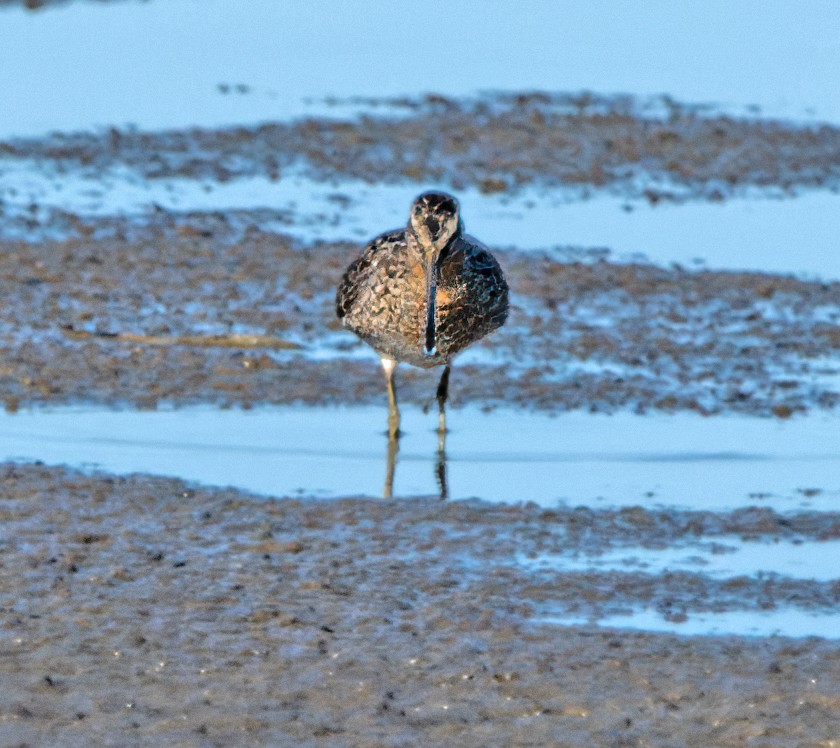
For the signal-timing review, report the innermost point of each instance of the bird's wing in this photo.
(489, 280)
(359, 271)
(478, 255)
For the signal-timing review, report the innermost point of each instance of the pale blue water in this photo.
(683, 460)
(772, 234)
(158, 64)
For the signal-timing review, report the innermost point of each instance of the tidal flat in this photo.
(140, 607)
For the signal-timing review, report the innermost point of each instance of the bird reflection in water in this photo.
(440, 467)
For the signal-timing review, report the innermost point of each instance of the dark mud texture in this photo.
(499, 143)
(592, 335)
(213, 618)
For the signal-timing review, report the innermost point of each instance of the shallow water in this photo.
(780, 57)
(786, 66)
(682, 460)
(727, 557)
(760, 232)
(785, 622)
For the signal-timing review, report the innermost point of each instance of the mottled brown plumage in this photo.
(422, 294)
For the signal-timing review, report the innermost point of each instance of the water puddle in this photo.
(781, 59)
(683, 460)
(784, 622)
(726, 557)
(750, 233)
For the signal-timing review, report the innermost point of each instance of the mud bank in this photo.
(139, 609)
(593, 335)
(498, 143)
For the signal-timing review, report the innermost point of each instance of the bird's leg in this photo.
(388, 365)
(442, 394)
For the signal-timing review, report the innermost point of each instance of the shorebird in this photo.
(423, 293)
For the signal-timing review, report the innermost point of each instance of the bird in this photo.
(421, 294)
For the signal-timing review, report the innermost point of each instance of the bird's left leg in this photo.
(388, 366)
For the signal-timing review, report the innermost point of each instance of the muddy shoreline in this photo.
(216, 618)
(593, 335)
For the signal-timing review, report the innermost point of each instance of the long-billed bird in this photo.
(421, 294)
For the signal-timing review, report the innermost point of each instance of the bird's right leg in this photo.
(388, 365)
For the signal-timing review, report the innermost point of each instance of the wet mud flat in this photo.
(659, 149)
(146, 606)
(214, 617)
(211, 308)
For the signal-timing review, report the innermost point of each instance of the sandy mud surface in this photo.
(581, 335)
(497, 142)
(137, 610)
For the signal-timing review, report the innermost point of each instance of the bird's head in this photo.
(435, 221)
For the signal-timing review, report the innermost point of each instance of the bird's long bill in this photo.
(431, 294)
